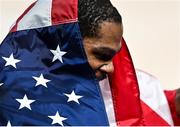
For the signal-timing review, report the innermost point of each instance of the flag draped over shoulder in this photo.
(137, 96)
(44, 73)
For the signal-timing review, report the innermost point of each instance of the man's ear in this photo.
(177, 102)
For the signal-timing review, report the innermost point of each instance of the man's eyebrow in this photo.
(105, 50)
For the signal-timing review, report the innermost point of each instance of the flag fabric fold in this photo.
(154, 103)
(125, 90)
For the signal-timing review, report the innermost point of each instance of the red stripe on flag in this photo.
(151, 117)
(64, 11)
(14, 28)
(125, 90)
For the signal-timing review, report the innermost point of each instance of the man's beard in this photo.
(102, 76)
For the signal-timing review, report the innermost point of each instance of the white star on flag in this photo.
(1, 84)
(11, 61)
(58, 54)
(41, 80)
(57, 119)
(73, 97)
(25, 102)
(8, 124)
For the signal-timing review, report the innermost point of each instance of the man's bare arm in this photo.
(177, 101)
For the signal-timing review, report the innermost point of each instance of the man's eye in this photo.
(104, 57)
(104, 53)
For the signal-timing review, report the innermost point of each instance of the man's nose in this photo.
(108, 68)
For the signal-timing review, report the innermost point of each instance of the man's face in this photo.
(101, 49)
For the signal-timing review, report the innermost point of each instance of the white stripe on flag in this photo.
(39, 16)
(107, 97)
(152, 94)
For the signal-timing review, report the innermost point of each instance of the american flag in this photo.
(45, 78)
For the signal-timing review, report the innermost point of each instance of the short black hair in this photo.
(93, 12)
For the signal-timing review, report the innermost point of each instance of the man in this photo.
(99, 27)
(72, 96)
(102, 29)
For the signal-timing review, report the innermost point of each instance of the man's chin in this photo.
(101, 77)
